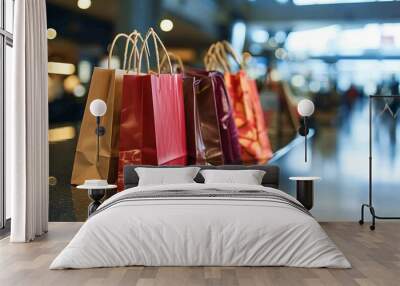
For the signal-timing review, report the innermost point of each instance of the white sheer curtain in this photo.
(27, 124)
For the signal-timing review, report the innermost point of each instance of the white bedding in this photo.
(200, 231)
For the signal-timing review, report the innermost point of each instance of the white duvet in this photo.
(200, 231)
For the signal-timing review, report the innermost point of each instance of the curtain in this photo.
(27, 124)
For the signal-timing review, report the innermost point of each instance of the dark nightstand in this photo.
(96, 192)
(305, 190)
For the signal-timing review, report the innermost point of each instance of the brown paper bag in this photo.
(106, 84)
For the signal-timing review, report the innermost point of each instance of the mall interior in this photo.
(334, 52)
(268, 131)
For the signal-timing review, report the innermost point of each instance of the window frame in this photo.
(6, 39)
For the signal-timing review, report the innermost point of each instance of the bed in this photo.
(197, 224)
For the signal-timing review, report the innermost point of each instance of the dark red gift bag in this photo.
(152, 127)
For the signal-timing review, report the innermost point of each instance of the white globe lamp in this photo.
(98, 108)
(305, 108)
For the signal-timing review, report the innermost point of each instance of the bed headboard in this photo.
(271, 177)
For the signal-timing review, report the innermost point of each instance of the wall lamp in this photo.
(305, 108)
(98, 108)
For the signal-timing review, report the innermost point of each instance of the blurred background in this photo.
(334, 52)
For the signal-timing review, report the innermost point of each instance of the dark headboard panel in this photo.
(271, 177)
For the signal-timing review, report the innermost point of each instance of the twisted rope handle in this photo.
(173, 57)
(135, 52)
(127, 46)
(207, 58)
(156, 40)
(214, 58)
(226, 45)
(116, 38)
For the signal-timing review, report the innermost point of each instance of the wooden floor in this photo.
(375, 257)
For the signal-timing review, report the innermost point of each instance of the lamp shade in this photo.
(305, 107)
(98, 107)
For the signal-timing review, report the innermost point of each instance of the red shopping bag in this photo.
(152, 127)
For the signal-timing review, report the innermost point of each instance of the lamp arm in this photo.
(100, 131)
(305, 138)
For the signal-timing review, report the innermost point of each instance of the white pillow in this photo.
(248, 177)
(166, 176)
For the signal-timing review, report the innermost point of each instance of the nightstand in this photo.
(96, 191)
(305, 190)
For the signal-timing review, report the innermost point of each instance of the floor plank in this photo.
(375, 257)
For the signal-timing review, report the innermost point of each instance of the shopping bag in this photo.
(152, 129)
(208, 116)
(106, 84)
(238, 90)
(196, 149)
(227, 127)
(248, 113)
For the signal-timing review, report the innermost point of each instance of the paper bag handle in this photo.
(116, 38)
(135, 52)
(214, 58)
(226, 47)
(173, 57)
(156, 39)
(217, 55)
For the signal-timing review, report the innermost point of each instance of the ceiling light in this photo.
(166, 25)
(60, 134)
(79, 90)
(84, 71)
(84, 4)
(272, 43)
(280, 54)
(314, 86)
(70, 83)
(259, 36)
(238, 37)
(298, 80)
(60, 68)
(51, 34)
(280, 37)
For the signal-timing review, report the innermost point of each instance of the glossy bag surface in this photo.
(153, 130)
(227, 127)
(204, 89)
(152, 127)
(249, 118)
(169, 119)
(265, 152)
(196, 148)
